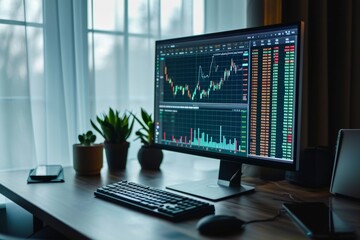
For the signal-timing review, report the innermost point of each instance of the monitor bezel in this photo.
(291, 165)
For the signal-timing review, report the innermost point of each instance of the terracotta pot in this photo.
(87, 160)
(116, 155)
(150, 158)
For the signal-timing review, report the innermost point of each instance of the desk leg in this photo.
(37, 224)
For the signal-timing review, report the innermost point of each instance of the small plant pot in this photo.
(150, 158)
(88, 160)
(116, 155)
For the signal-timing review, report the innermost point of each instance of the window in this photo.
(63, 62)
(121, 47)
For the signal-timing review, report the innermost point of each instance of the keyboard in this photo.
(154, 201)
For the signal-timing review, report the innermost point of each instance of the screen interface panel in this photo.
(231, 94)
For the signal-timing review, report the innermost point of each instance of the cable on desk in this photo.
(286, 193)
(280, 211)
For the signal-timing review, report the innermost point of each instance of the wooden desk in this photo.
(72, 209)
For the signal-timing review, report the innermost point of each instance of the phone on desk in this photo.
(46, 172)
(318, 221)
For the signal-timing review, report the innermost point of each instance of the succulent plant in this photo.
(87, 139)
(146, 132)
(113, 127)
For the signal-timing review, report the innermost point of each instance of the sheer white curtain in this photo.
(64, 61)
(222, 15)
(21, 81)
(66, 89)
(44, 89)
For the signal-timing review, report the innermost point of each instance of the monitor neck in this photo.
(230, 174)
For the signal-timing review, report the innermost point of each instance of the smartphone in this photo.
(318, 221)
(46, 172)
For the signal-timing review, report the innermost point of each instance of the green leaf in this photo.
(145, 115)
(81, 138)
(114, 127)
(138, 120)
(146, 132)
(89, 134)
(96, 128)
(111, 116)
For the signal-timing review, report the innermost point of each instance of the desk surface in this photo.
(71, 207)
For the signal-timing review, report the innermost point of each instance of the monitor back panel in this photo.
(346, 173)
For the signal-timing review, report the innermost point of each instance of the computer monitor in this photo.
(233, 96)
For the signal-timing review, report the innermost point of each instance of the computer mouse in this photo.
(219, 225)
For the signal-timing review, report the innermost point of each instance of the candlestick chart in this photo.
(210, 77)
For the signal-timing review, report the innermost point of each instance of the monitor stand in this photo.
(228, 184)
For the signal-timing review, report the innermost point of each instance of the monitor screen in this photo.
(233, 95)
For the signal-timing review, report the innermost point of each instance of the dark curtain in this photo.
(331, 69)
(331, 87)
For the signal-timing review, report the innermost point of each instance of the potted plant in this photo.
(87, 156)
(115, 129)
(149, 157)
